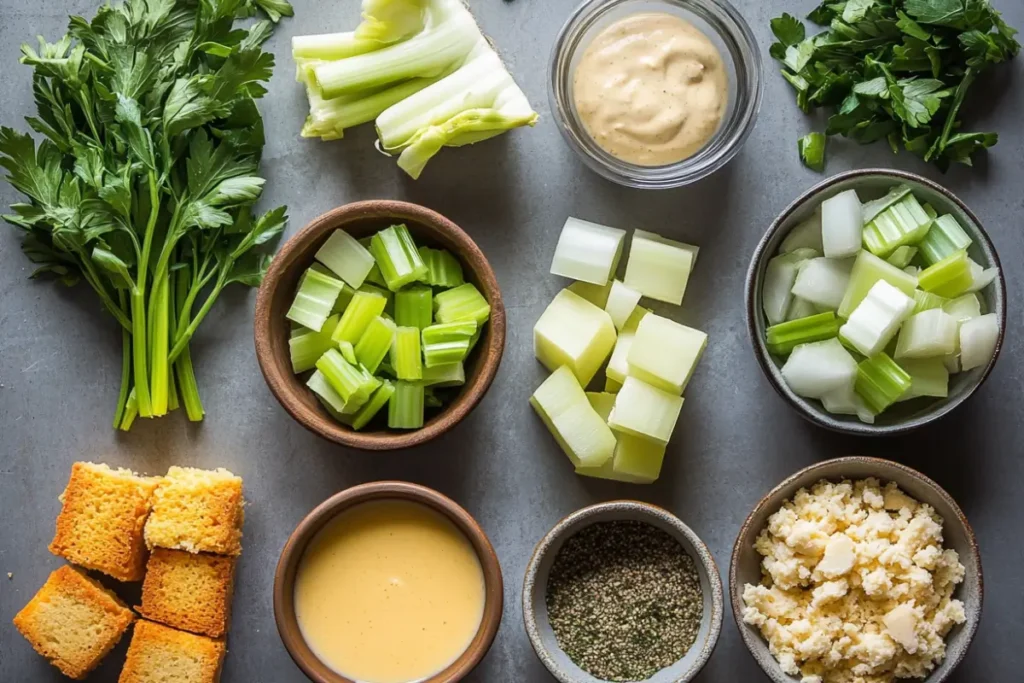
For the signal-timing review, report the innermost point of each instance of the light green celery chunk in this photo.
(659, 268)
(881, 382)
(370, 409)
(348, 352)
(612, 386)
(877, 319)
(453, 375)
(306, 346)
(573, 332)
(375, 343)
(645, 411)
(784, 337)
(314, 299)
(607, 471)
(905, 222)
(929, 334)
(343, 300)
(602, 403)
(928, 377)
(397, 256)
(331, 399)
(638, 459)
(461, 303)
(618, 365)
(349, 380)
(634, 319)
(622, 301)
(562, 405)
(445, 353)
(405, 409)
(944, 239)
(346, 257)
(925, 301)
(868, 269)
(950, 277)
(902, 256)
(877, 206)
(405, 353)
(364, 307)
(595, 294)
(329, 46)
(414, 306)
(389, 296)
(446, 332)
(443, 269)
(963, 307)
(587, 251)
(664, 353)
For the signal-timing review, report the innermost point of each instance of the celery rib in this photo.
(785, 337)
(414, 306)
(461, 303)
(375, 343)
(405, 409)
(950, 277)
(405, 354)
(881, 382)
(399, 259)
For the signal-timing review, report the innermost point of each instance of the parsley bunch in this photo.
(145, 181)
(894, 69)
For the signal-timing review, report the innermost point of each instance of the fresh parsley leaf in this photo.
(788, 29)
(941, 12)
(856, 10)
(275, 9)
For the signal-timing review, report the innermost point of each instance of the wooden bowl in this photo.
(284, 579)
(361, 219)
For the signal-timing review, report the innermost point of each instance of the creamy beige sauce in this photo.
(389, 592)
(651, 89)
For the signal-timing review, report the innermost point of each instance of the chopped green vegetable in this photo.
(902, 256)
(453, 375)
(820, 368)
(306, 346)
(405, 408)
(375, 343)
(348, 352)
(587, 252)
(895, 194)
(580, 431)
(664, 353)
(346, 257)
(405, 353)
(645, 411)
(461, 303)
(868, 269)
(314, 299)
(595, 294)
(573, 332)
(369, 410)
(928, 377)
(925, 301)
(350, 381)
(963, 307)
(622, 301)
(331, 399)
(658, 267)
(443, 269)
(927, 334)
(812, 151)
(448, 343)
(397, 256)
(785, 337)
(950, 277)
(881, 382)
(903, 223)
(361, 311)
(414, 306)
(877, 319)
(944, 239)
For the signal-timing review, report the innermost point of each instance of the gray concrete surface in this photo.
(59, 358)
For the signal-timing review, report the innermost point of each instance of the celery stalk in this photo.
(329, 118)
(877, 206)
(443, 269)
(369, 410)
(868, 269)
(580, 431)
(405, 353)
(659, 268)
(587, 251)
(375, 343)
(447, 343)
(928, 334)
(131, 411)
(348, 352)
(389, 296)
(461, 303)
(346, 257)
(572, 332)
(877, 318)
(364, 307)
(664, 353)
(944, 239)
(618, 364)
(446, 332)
(397, 256)
(925, 301)
(905, 222)
(331, 399)
(348, 380)
(963, 307)
(595, 294)
(453, 375)
(405, 409)
(881, 382)
(784, 337)
(343, 300)
(414, 306)
(902, 256)
(622, 301)
(306, 347)
(314, 299)
(950, 277)
(331, 46)
(928, 377)
(645, 411)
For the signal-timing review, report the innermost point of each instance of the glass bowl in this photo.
(726, 29)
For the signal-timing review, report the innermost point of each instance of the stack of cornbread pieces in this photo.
(180, 535)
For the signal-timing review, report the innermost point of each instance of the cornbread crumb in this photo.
(159, 654)
(197, 511)
(191, 592)
(101, 520)
(73, 622)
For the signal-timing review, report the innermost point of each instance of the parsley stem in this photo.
(183, 370)
(159, 318)
(139, 322)
(185, 335)
(126, 368)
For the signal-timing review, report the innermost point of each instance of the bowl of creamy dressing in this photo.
(655, 93)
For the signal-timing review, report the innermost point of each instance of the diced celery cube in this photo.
(414, 306)
(638, 458)
(306, 346)
(331, 399)
(405, 408)
(453, 375)
(346, 257)
(579, 430)
(877, 318)
(823, 282)
(963, 307)
(380, 398)
(634, 320)
(595, 294)
(867, 270)
(399, 259)
(903, 223)
(573, 332)
(645, 411)
(405, 353)
(820, 368)
(364, 307)
(659, 268)
(601, 402)
(461, 303)
(927, 334)
(881, 382)
(375, 343)
(664, 353)
(618, 364)
(928, 377)
(950, 277)
(587, 251)
(622, 301)
(314, 299)
(443, 269)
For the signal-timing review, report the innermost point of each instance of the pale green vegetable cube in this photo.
(595, 294)
(659, 268)
(563, 406)
(618, 364)
(634, 320)
(602, 403)
(573, 332)
(346, 257)
(607, 471)
(622, 301)
(587, 251)
(665, 353)
(868, 269)
(928, 377)
(612, 386)
(638, 458)
(645, 411)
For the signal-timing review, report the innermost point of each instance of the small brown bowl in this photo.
(361, 219)
(295, 548)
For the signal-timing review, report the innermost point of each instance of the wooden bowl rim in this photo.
(291, 555)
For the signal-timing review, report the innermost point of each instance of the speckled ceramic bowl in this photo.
(957, 534)
(535, 611)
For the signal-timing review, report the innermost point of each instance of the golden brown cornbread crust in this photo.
(73, 621)
(191, 592)
(159, 654)
(197, 511)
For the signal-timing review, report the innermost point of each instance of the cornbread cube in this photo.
(198, 511)
(159, 654)
(73, 621)
(101, 521)
(187, 591)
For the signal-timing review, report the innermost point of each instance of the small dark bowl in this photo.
(287, 566)
(278, 289)
(956, 531)
(869, 183)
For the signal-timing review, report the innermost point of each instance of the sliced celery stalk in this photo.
(326, 46)
(346, 258)
(800, 308)
(612, 386)
(645, 411)
(344, 299)
(445, 353)
(806, 235)
(306, 347)
(902, 256)
(842, 223)
(981, 277)
(950, 277)
(405, 353)
(405, 408)
(877, 206)
(664, 353)
(595, 294)
(659, 268)
(881, 382)
(397, 256)
(905, 222)
(364, 307)
(564, 408)
(820, 368)
(350, 381)
(446, 332)
(461, 303)
(443, 269)
(319, 385)
(928, 377)
(638, 458)
(978, 340)
(877, 319)
(453, 375)
(314, 299)
(944, 239)
(375, 343)
(348, 352)
(823, 282)
(414, 306)
(867, 270)
(963, 307)
(587, 251)
(573, 332)
(779, 277)
(784, 337)
(370, 409)
(846, 401)
(925, 301)
(602, 403)
(928, 334)
(622, 300)
(618, 365)
(389, 296)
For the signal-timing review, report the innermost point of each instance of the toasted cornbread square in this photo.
(73, 621)
(159, 654)
(198, 511)
(191, 592)
(100, 524)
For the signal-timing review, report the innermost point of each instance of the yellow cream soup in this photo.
(389, 592)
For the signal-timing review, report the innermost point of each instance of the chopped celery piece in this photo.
(319, 385)
(664, 353)
(659, 268)
(573, 332)
(348, 352)
(595, 294)
(405, 353)
(868, 269)
(344, 299)
(952, 364)
(928, 377)
(612, 386)
(346, 258)
(846, 401)
(779, 277)
(877, 206)
(927, 335)
(905, 222)
(823, 282)
(453, 375)
(580, 431)
(443, 269)
(618, 365)
(963, 307)
(806, 235)
(800, 308)
(601, 402)
(842, 223)
(446, 332)
(389, 296)
(820, 368)
(405, 408)
(350, 381)
(981, 277)
(464, 302)
(785, 337)
(877, 319)
(881, 382)
(622, 300)
(944, 239)
(430, 399)
(925, 301)
(978, 339)
(373, 406)
(397, 256)
(306, 347)
(314, 299)
(445, 353)
(950, 277)
(375, 277)
(645, 411)
(902, 256)
(414, 306)
(587, 251)
(634, 320)
(329, 46)
(364, 307)
(375, 343)
(637, 458)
